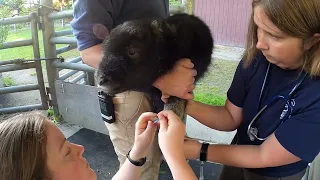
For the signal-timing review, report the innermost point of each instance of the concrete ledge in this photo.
(199, 131)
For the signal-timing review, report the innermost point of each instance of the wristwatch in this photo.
(139, 162)
(203, 152)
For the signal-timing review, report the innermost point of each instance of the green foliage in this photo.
(33, 73)
(4, 12)
(8, 81)
(10, 8)
(55, 118)
(66, 4)
(11, 5)
(6, 9)
(50, 111)
(175, 2)
(3, 34)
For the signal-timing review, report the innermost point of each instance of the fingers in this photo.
(186, 63)
(188, 96)
(165, 97)
(170, 116)
(188, 93)
(194, 72)
(190, 88)
(151, 128)
(193, 80)
(189, 67)
(144, 118)
(163, 123)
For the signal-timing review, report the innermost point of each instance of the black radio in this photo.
(106, 107)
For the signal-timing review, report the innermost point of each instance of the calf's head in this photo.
(130, 57)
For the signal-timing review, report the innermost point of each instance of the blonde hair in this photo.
(23, 148)
(296, 18)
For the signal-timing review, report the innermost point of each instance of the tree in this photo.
(4, 12)
(8, 8)
(65, 4)
(11, 6)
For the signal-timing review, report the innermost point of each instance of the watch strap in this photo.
(203, 152)
(139, 162)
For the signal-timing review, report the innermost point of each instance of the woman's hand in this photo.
(171, 139)
(179, 82)
(171, 134)
(165, 97)
(144, 135)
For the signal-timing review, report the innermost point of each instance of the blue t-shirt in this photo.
(111, 13)
(300, 133)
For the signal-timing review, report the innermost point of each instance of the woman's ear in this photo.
(312, 41)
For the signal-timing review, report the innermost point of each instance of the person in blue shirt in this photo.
(274, 99)
(129, 105)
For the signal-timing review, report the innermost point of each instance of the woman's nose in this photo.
(79, 149)
(262, 42)
(262, 45)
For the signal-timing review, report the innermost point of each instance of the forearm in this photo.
(215, 117)
(244, 156)
(92, 56)
(128, 171)
(180, 169)
(269, 154)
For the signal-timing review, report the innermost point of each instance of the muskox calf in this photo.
(138, 52)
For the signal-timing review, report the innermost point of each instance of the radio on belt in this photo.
(106, 107)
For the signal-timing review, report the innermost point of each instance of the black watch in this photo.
(140, 162)
(203, 152)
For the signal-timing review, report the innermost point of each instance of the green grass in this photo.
(212, 88)
(8, 81)
(174, 2)
(26, 52)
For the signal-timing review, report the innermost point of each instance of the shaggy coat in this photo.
(138, 52)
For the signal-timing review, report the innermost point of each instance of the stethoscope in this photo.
(252, 132)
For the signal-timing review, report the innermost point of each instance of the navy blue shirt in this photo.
(300, 133)
(111, 13)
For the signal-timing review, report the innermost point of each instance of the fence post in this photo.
(90, 79)
(50, 52)
(36, 54)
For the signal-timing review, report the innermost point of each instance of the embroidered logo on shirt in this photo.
(286, 109)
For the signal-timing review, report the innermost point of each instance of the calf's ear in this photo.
(163, 28)
(100, 31)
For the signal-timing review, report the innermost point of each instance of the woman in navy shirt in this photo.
(274, 99)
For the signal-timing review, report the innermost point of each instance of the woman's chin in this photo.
(93, 175)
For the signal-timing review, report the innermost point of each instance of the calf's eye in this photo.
(132, 52)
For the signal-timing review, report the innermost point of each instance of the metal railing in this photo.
(13, 65)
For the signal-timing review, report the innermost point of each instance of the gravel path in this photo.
(227, 53)
(21, 77)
